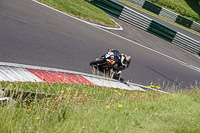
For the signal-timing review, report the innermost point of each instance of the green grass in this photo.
(81, 9)
(142, 9)
(187, 8)
(81, 108)
(84, 10)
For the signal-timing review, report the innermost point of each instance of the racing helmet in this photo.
(128, 59)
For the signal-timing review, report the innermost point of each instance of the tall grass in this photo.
(81, 9)
(80, 108)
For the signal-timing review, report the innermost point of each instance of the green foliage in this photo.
(187, 8)
(81, 108)
(81, 9)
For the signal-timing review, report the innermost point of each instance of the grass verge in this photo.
(81, 108)
(187, 8)
(81, 9)
(142, 9)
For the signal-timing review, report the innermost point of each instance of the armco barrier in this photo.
(162, 31)
(195, 26)
(168, 14)
(187, 43)
(184, 21)
(134, 18)
(111, 7)
(139, 3)
(152, 7)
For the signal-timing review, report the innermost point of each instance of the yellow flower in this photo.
(115, 90)
(120, 105)
(108, 107)
(83, 126)
(120, 93)
(38, 118)
(152, 86)
(149, 86)
(158, 87)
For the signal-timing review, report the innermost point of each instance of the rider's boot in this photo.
(119, 73)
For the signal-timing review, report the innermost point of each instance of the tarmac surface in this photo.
(33, 34)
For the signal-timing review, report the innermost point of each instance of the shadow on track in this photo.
(109, 74)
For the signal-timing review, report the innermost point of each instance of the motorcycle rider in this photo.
(123, 61)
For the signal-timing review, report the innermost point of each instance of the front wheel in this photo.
(97, 62)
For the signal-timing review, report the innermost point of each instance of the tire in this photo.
(97, 62)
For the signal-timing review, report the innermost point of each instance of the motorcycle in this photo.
(101, 63)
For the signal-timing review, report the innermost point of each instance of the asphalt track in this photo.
(33, 34)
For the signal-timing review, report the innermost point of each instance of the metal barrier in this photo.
(152, 7)
(186, 43)
(111, 7)
(139, 3)
(134, 18)
(195, 26)
(184, 21)
(162, 31)
(168, 14)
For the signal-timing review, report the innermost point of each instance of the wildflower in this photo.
(108, 107)
(14, 88)
(149, 86)
(38, 118)
(115, 90)
(83, 126)
(120, 93)
(120, 105)
(158, 87)
(152, 86)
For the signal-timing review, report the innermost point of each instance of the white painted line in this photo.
(92, 24)
(176, 60)
(99, 27)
